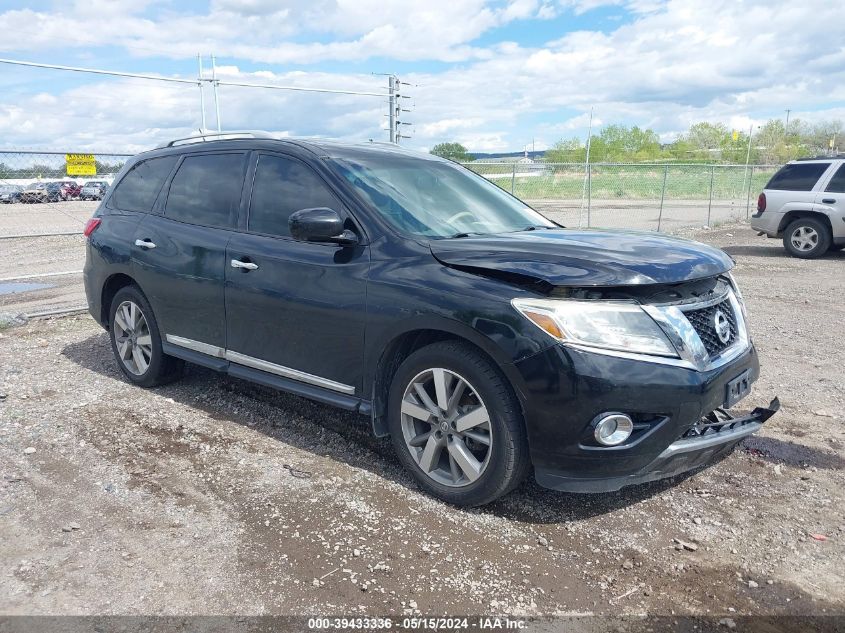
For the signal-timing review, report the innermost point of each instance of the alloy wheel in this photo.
(446, 427)
(132, 338)
(804, 238)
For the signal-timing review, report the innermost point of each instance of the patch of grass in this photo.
(683, 182)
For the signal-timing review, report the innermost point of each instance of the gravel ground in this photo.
(215, 496)
(50, 217)
(643, 214)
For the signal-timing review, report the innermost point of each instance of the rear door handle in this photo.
(828, 200)
(145, 243)
(236, 263)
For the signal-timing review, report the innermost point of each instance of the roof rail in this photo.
(216, 136)
(830, 157)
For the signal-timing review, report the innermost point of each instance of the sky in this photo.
(494, 75)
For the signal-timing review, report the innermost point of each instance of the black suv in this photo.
(482, 337)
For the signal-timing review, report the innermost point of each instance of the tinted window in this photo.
(798, 176)
(207, 190)
(138, 190)
(283, 186)
(837, 183)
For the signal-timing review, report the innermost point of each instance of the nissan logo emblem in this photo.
(722, 326)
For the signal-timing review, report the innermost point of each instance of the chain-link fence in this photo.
(24, 168)
(661, 197)
(54, 187)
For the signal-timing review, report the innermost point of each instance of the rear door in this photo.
(180, 251)
(832, 200)
(794, 187)
(298, 309)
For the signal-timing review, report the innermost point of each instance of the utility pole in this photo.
(586, 172)
(396, 109)
(747, 160)
(391, 89)
(202, 93)
(786, 127)
(216, 97)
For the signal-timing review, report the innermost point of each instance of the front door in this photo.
(295, 309)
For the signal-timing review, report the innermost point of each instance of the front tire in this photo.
(136, 341)
(807, 238)
(456, 424)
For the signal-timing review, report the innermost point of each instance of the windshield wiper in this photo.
(534, 227)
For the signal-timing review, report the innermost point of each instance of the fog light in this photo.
(613, 429)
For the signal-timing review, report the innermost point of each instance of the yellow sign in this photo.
(81, 165)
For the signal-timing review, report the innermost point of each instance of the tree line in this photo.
(772, 143)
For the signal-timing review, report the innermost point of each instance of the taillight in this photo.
(90, 226)
(761, 203)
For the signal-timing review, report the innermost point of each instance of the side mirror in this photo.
(320, 225)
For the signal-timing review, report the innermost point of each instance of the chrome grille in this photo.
(703, 322)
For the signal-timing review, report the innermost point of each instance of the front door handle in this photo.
(828, 200)
(144, 243)
(236, 263)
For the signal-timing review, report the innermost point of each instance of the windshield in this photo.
(435, 199)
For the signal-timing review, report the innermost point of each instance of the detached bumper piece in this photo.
(717, 422)
(713, 437)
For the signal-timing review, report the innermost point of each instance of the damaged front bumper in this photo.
(712, 438)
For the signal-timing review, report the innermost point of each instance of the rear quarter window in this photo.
(837, 183)
(797, 176)
(138, 190)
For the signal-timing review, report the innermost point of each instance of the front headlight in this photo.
(613, 325)
(739, 298)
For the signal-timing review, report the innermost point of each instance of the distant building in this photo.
(509, 157)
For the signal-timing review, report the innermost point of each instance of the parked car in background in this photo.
(62, 190)
(54, 191)
(9, 194)
(804, 204)
(486, 340)
(71, 190)
(35, 192)
(94, 190)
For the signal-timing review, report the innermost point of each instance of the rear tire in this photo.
(475, 449)
(807, 238)
(136, 341)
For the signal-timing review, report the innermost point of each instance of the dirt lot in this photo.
(40, 218)
(215, 496)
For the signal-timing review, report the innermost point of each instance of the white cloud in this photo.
(671, 64)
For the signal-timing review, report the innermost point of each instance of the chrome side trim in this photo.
(257, 363)
(690, 444)
(287, 372)
(197, 346)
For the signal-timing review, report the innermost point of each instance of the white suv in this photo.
(804, 203)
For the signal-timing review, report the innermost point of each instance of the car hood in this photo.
(572, 257)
